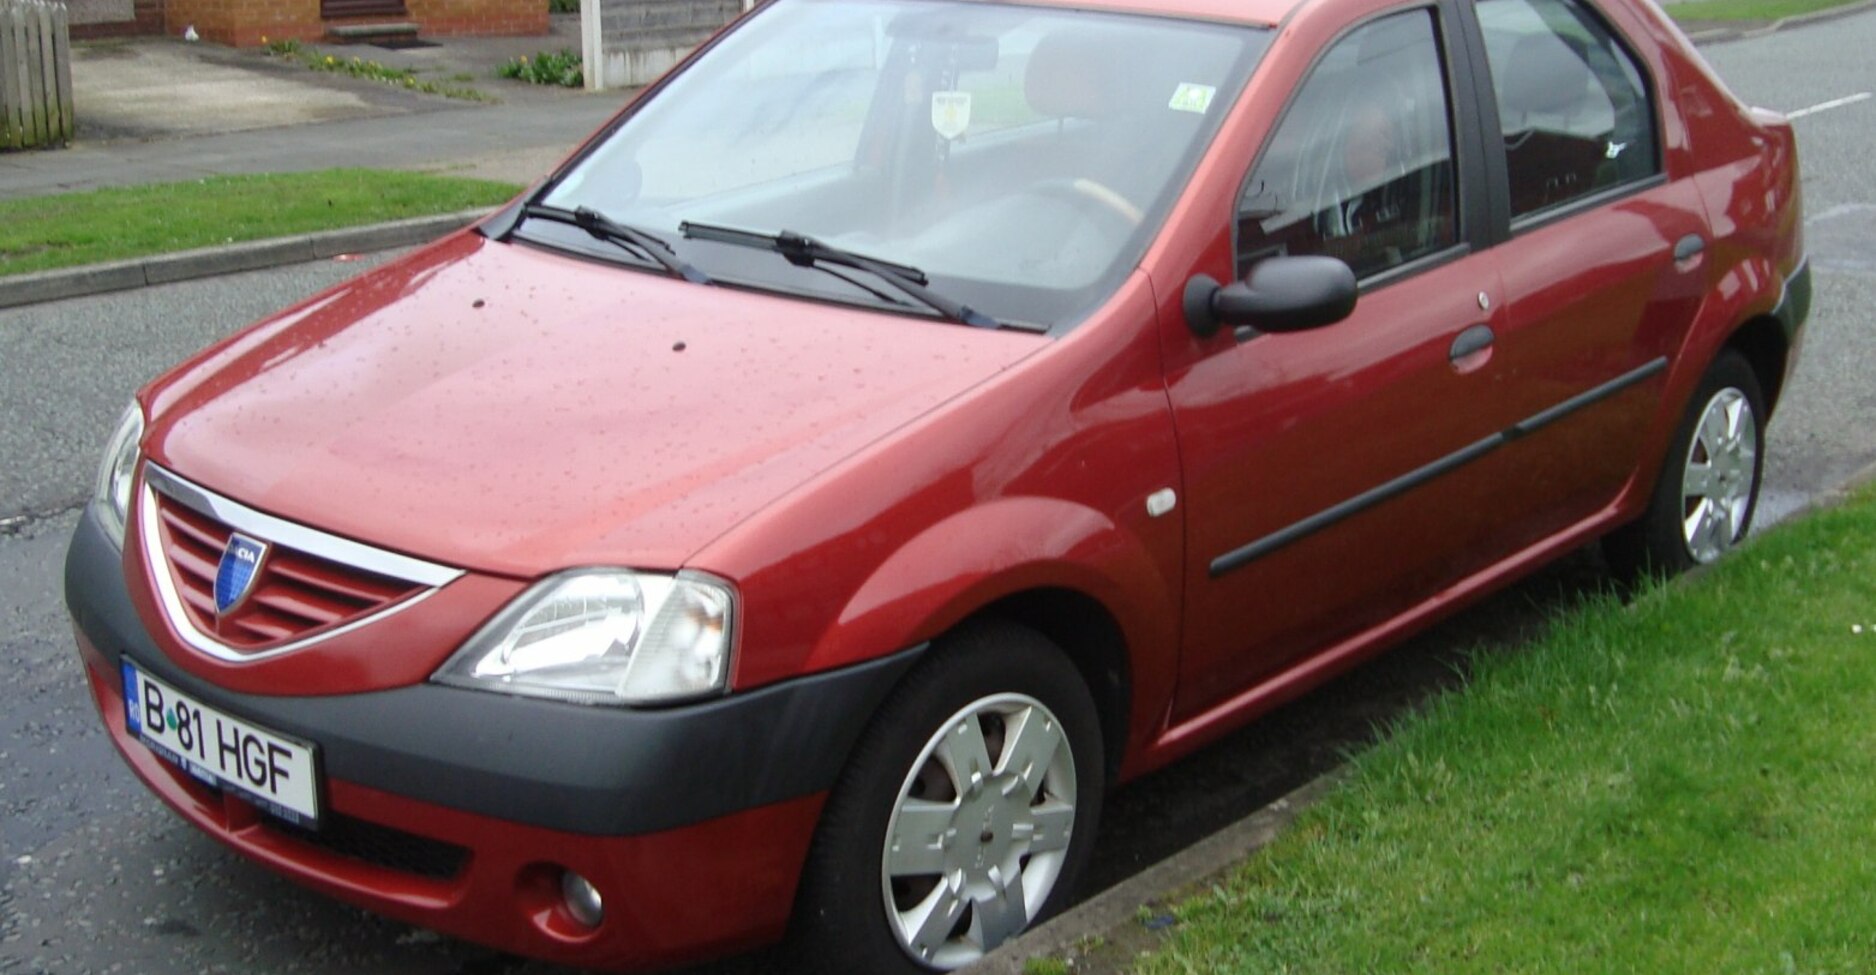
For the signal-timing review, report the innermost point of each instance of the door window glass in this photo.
(1361, 167)
(1571, 102)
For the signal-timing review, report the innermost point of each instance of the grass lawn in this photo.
(68, 229)
(1749, 10)
(1686, 784)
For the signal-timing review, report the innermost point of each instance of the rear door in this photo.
(1603, 262)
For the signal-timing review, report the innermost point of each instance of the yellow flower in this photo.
(331, 60)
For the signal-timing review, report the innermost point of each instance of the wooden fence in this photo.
(35, 75)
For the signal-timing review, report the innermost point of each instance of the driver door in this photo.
(1330, 475)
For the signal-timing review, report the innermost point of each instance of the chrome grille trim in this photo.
(245, 519)
(332, 548)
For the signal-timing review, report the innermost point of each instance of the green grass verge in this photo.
(1686, 784)
(69, 229)
(1748, 10)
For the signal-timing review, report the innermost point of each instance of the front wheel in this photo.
(965, 814)
(1708, 490)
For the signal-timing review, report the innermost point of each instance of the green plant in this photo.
(563, 6)
(358, 67)
(562, 68)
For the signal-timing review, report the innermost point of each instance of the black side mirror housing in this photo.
(1281, 294)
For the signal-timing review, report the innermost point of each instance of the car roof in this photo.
(1263, 13)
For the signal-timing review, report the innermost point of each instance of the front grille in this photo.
(296, 595)
(379, 845)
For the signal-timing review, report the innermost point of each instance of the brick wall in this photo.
(460, 17)
(244, 23)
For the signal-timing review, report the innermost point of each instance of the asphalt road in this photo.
(96, 876)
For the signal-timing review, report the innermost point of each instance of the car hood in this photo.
(500, 408)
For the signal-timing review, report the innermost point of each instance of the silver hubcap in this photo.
(1716, 488)
(980, 830)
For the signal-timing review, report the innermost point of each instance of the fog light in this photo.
(582, 899)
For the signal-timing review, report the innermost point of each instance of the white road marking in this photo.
(1840, 210)
(1860, 96)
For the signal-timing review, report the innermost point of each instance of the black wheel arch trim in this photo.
(1794, 304)
(576, 768)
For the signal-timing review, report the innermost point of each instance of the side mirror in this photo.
(1281, 294)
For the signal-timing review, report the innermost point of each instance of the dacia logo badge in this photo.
(240, 568)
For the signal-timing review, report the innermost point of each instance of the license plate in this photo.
(271, 770)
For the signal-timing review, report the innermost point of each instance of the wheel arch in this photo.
(1106, 596)
(1740, 310)
(1764, 341)
(1083, 628)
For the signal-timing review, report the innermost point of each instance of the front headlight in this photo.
(117, 473)
(605, 636)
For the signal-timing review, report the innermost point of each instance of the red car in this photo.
(912, 417)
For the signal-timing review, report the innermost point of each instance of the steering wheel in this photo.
(1087, 194)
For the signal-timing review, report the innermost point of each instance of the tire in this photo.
(1708, 490)
(1004, 851)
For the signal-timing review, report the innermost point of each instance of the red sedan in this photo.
(910, 418)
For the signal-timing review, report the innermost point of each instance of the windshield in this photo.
(1020, 157)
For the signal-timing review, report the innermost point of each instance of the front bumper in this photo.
(458, 809)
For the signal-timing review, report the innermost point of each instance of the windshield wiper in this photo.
(641, 242)
(804, 251)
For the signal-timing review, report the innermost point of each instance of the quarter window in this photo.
(1571, 103)
(1361, 167)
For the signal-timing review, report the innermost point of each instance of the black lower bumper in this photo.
(594, 770)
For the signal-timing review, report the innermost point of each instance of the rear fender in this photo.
(1749, 289)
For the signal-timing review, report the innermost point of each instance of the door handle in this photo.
(1470, 343)
(1688, 248)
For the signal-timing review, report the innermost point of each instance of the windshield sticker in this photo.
(1189, 97)
(950, 112)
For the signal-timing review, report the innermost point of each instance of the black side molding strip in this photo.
(1240, 557)
(1534, 423)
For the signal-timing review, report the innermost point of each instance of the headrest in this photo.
(1073, 73)
(1543, 76)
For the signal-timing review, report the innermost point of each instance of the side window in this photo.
(1571, 101)
(1361, 167)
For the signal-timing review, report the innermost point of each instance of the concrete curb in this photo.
(1832, 497)
(1718, 35)
(27, 289)
(1120, 903)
